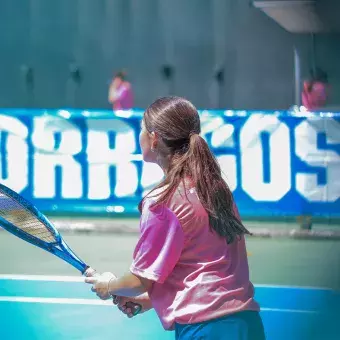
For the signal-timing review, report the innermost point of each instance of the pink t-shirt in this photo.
(124, 97)
(197, 275)
(314, 95)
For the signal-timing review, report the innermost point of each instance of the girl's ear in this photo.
(154, 140)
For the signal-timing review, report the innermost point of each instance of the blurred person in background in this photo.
(120, 92)
(315, 91)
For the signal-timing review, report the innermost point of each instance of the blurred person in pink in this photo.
(120, 92)
(190, 263)
(315, 91)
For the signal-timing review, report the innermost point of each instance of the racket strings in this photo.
(23, 219)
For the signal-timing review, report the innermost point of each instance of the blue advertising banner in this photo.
(276, 163)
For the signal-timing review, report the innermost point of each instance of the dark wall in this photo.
(42, 40)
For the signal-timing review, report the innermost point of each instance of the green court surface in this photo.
(312, 263)
(41, 297)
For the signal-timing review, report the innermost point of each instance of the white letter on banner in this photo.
(16, 153)
(101, 157)
(252, 159)
(47, 157)
(228, 167)
(222, 135)
(152, 174)
(306, 148)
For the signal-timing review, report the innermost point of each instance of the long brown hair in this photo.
(176, 121)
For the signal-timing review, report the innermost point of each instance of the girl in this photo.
(190, 263)
(120, 92)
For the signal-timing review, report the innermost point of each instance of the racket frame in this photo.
(58, 248)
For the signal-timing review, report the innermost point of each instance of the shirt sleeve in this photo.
(160, 244)
(121, 92)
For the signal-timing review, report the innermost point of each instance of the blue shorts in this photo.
(245, 325)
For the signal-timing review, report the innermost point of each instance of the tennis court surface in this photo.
(42, 297)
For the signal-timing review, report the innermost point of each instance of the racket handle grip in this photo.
(135, 307)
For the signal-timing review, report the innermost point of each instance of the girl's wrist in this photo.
(112, 286)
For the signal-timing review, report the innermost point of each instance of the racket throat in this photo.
(89, 272)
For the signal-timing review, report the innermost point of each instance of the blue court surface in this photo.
(45, 307)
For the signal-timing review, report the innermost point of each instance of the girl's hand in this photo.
(100, 284)
(125, 304)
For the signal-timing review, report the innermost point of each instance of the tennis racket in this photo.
(22, 219)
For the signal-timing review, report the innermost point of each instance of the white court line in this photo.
(288, 287)
(94, 302)
(42, 278)
(287, 310)
(58, 301)
(81, 279)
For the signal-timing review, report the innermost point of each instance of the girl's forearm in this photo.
(128, 285)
